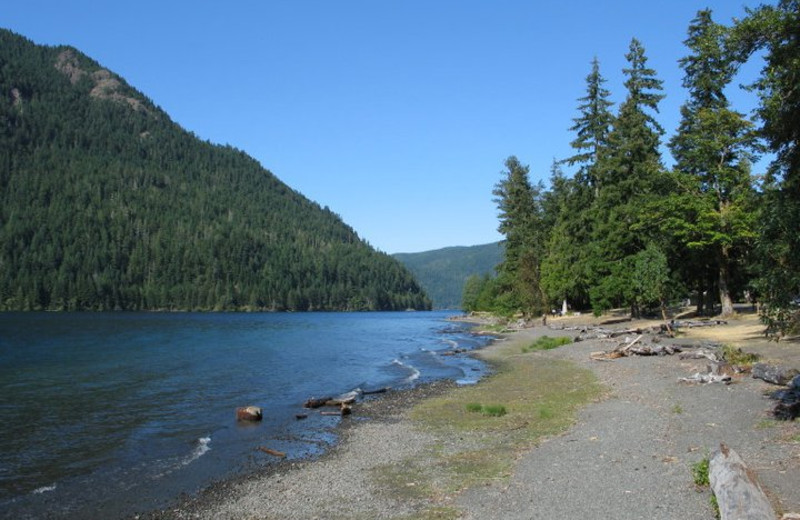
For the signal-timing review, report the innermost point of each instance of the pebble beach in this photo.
(627, 454)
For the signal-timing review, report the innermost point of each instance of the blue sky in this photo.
(398, 115)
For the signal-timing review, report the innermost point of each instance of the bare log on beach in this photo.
(788, 409)
(314, 402)
(637, 347)
(689, 324)
(738, 493)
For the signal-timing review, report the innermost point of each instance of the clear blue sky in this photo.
(398, 115)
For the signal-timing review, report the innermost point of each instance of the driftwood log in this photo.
(270, 451)
(777, 375)
(738, 492)
(637, 347)
(788, 408)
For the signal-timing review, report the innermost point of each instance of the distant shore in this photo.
(624, 454)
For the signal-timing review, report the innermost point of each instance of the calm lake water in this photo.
(106, 414)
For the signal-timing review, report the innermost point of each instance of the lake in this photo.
(108, 414)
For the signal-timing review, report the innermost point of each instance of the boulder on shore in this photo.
(248, 413)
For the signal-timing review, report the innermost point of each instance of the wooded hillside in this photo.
(105, 203)
(443, 272)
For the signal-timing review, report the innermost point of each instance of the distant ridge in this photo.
(442, 272)
(106, 203)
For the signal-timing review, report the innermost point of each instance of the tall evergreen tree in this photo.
(712, 213)
(629, 172)
(591, 128)
(520, 213)
(774, 29)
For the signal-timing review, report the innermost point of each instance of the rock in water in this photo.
(248, 413)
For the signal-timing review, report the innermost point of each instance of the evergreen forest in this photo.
(107, 204)
(622, 230)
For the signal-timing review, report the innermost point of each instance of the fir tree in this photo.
(712, 211)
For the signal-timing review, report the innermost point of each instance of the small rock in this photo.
(248, 413)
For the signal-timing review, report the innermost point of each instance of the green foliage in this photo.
(546, 343)
(700, 472)
(491, 410)
(520, 208)
(474, 407)
(494, 410)
(713, 151)
(105, 203)
(772, 29)
(735, 356)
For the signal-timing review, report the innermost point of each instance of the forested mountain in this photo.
(105, 203)
(443, 272)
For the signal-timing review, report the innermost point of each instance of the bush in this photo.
(735, 356)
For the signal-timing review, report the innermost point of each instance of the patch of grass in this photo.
(474, 407)
(540, 397)
(700, 472)
(795, 438)
(735, 356)
(494, 410)
(407, 481)
(546, 343)
(677, 408)
(764, 424)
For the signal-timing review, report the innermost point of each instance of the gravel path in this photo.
(628, 457)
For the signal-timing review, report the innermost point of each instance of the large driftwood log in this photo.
(777, 375)
(738, 493)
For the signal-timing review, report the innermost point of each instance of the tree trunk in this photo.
(701, 298)
(724, 278)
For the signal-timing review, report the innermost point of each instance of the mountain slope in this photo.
(105, 203)
(442, 272)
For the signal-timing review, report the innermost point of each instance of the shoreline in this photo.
(386, 463)
(383, 407)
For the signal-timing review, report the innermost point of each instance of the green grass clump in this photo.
(735, 356)
(546, 343)
(701, 480)
(494, 410)
(700, 472)
(474, 407)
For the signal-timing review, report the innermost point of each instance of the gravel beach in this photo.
(628, 456)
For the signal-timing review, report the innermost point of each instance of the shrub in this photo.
(735, 356)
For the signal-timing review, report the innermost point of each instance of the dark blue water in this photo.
(103, 415)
